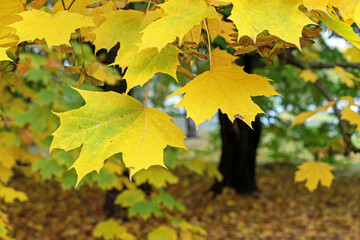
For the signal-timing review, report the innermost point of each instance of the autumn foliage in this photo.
(52, 82)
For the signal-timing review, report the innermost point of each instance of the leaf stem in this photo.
(70, 5)
(82, 50)
(148, 6)
(147, 92)
(209, 41)
(212, 3)
(63, 4)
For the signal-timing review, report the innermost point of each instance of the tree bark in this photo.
(238, 157)
(191, 131)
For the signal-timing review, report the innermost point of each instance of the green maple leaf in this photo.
(145, 208)
(168, 201)
(111, 123)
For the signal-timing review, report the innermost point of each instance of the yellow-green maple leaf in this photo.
(313, 173)
(123, 26)
(111, 123)
(110, 229)
(55, 29)
(228, 88)
(156, 176)
(180, 17)
(281, 18)
(163, 232)
(150, 61)
(333, 22)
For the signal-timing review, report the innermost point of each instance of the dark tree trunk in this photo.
(239, 144)
(238, 157)
(191, 131)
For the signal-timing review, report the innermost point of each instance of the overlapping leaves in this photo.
(111, 123)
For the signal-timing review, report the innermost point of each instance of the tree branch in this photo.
(221, 7)
(288, 58)
(331, 65)
(89, 211)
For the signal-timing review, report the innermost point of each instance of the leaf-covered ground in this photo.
(282, 210)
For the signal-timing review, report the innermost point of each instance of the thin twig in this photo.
(222, 7)
(147, 93)
(71, 5)
(62, 1)
(89, 211)
(208, 40)
(148, 6)
(82, 50)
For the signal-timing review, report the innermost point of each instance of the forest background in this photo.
(289, 173)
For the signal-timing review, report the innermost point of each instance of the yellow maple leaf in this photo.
(7, 34)
(218, 27)
(221, 58)
(87, 8)
(347, 8)
(194, 35)
(9, 7)
(313, 173)
(150, 61)
(105, 74)
(227, 88)
(10, 195)
(302, 117)
(346, 77)
(281, 18)
(8, 155)
(316, 4)
(111, 123)
(308, 76)
(180, 17)
(3, 54)
(76, 6)
(352, 117)
(352, 54)
(55, 29)
(5, 174)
